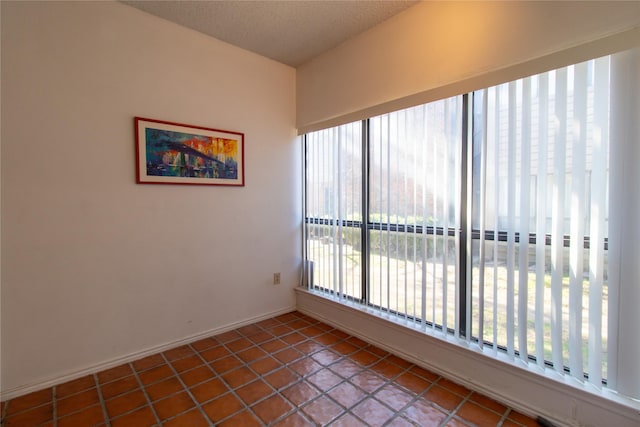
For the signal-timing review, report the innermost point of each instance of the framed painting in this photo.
(176, 153)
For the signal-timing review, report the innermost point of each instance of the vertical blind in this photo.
(483, 217)
(540, 218)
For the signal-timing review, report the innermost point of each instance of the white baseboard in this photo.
(89, 370)
(534, 394)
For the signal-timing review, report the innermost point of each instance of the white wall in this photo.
(439, 49)
(96, 268)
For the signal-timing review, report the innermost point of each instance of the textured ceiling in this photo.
(291, 32)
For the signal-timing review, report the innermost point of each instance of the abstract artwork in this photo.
(175, 153)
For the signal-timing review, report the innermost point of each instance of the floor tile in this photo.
(118, 387)
(225, 364)
(458, 422)
(215, 353)
(209, 390)
(412, 382)
(386, 369)
(204, 344)
(300, 393)
(140, 417)
(521, 419)
(251, 354)
(401, 422)
(423, 373)
(173, 405)
(393, 397)
(272, 408)
(30, 400)
(454, 387)
(374, 412)
(281, 378)
(76, 402)
(242, 419)
(249, 330)
(187, 363)
(227, 336)
(288, 355)
(114, 373)
(293, 338)
(31, 416)
(223, 406)
(306, 366)
(273, 346)
(357, 342)
(252, 392)
(164, 388)
(368, 381)
(125, 403)
(345, 368)
(443, 398)
(348, 420)
(294, 420)
(239, 377)
(308, 347)
(261, 337)
(325, 357)
(280, 330)
(75, 386)
(90, 416)
(155, 374)
(344, 348)
(324, 379)
(266, 365)
(197, 375)
(478, 415)
(364, 358)
(488, 403)
(239, 344)
(424, 414)
(290, 370)
(347, 394)
(267, 323)
(322, 410)
(148, 362)
(191, 418)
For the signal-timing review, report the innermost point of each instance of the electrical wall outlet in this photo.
(276, 278)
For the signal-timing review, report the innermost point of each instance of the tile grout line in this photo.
(187, 388)
(300, 378)
(54, 401)
(453, 412)
(504, 417)
(102, 402)
(276, 392)
(144, 391)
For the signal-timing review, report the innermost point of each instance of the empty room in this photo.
(321, 213)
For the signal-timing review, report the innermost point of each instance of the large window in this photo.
(482, 216)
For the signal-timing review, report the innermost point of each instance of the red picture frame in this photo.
(177, 153)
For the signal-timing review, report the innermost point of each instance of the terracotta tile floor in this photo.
(290, 370)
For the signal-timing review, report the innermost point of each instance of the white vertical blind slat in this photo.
(523, 249)
(483, 212)
(541, 215)
(557, 218)
(511, 215)
(598, 213)
(496, 211)
(579, 140)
